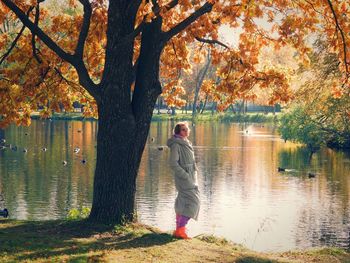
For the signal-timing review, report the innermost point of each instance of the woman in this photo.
(183, 163)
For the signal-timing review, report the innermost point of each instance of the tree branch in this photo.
(3, 57)
(84, 78)
(155, 5)
(211, 41)
(136, 31)
(36, 22)
(72, 84)
(79, 50)
(37, 31)
(156, 10)
(206, 8)
(342, 36)
(170, 5)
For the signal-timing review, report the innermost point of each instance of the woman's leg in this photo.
(181, 222)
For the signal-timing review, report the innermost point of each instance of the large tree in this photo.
(110, 55)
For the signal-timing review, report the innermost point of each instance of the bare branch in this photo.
(79, 50)
(211, 41)
(206, 8)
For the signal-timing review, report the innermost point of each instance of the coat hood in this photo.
(174, 140)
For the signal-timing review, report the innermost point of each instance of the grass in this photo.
(222, 117)
(79, 241)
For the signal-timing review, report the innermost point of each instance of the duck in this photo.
(64, 162)
(4, 213)
(311, 175)
(76, 149)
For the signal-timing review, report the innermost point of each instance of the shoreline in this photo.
(80, 241)
(219, 117)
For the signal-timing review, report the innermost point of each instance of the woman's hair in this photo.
(179, 125)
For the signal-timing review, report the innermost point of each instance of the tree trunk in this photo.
(114, 201)
(205, 104)
(123, 130)
(121, 141)
(2, 134)
(173, 111)
(160, 105)
(213, 108)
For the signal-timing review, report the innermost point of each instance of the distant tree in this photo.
(319, 114)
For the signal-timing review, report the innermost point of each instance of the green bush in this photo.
(297, 126)
(78, 214)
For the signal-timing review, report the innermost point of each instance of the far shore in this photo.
(251, 117)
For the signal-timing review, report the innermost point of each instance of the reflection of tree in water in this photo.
(297, 158)
(206, 160)
(326, 225)
(155, 181)
(37, 182)
(2, 136)
(218, 151)
(2, 198)
(324, 220)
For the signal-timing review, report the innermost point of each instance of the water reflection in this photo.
(243, 196)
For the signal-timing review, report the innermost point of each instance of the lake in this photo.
(243, 196)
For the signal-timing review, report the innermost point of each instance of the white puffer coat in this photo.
(183, 164)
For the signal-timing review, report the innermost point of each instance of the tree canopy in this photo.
(38, 66)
